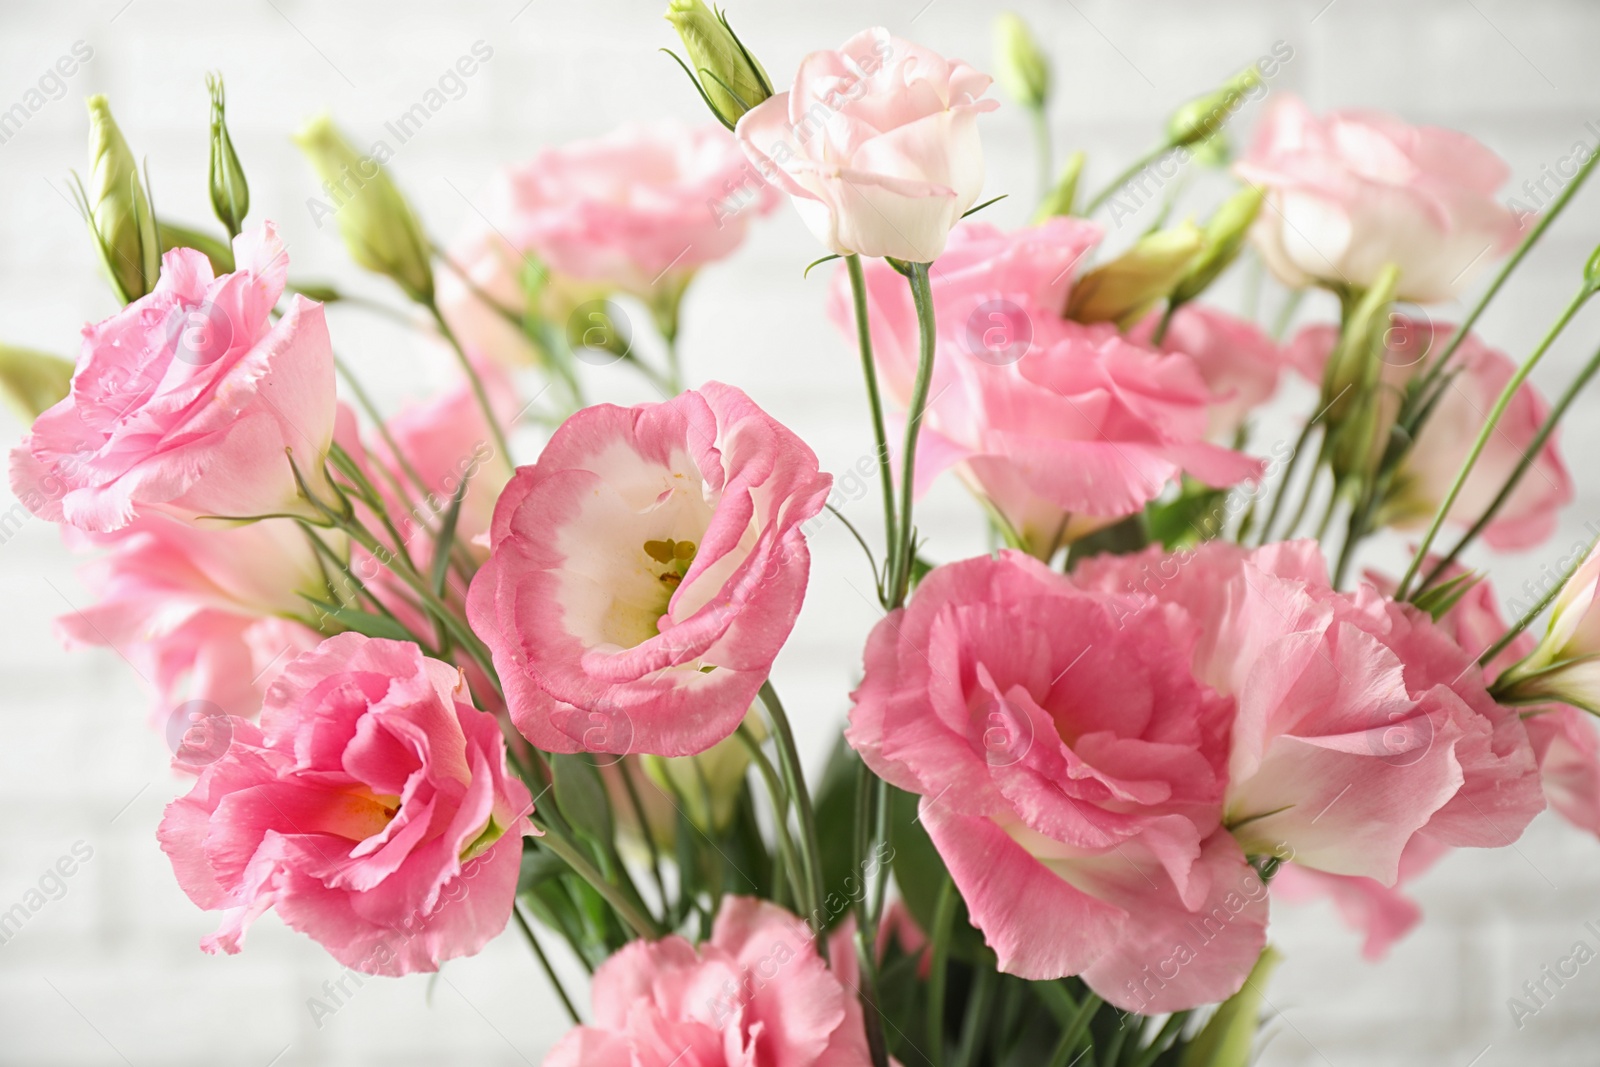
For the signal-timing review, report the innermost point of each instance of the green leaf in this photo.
(175, 236)
(445, 542)
(1230, 1033)
(581, 796)
(364, 623)
(33, 381)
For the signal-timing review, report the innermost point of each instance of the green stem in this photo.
(1121, 179)
(795, 782)
(780, 808)
(544, 962)
(905, 550)
(869, 372)
(1044, 149)
(1528, 454)
(474, 380)
(972, 1026)
(634, 801)
(1493, 419)
(642, 924)
(944, 915)
(866, 921)
(1073, 1034)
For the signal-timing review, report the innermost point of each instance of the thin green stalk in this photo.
(474, 380)
(641, 924)
(1286, 480)
(1168, 1033)
(1044, 149)
(944, 914)
(905, 549)
(973, 1025)
(866, 921)
(1291, 304)
(1548, 217)
(1073, 1034)
(1528, 454)
(544, 962)
(780, 809)
(1122, 179)
(795, 782)
(635, 802)
(365, 401)
(869, 372)
(1493, 419)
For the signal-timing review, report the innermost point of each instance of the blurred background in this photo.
(109, 970)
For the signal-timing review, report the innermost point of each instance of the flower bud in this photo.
(1566, 664)
(230, 194)
(707, 785)
(33, 381)
(1225, 235)
(1020, 65)
(119, 212)
(730, 79)
(1201, 118)
(1125, 289)
(379, 228)
(1060, 199)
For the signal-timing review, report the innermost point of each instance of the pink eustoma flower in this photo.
(1239, 363)
(643, 575)
(1351, 191)
(1383, 914)
(1071, 771)
(1429, 468)
(203, 614)
(371, 807)
(876, 144)
(186, 400)
(638, 210)
(1061, 428)
(756, 993)
(1360, 724)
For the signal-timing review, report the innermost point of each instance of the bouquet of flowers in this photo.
(504, 658)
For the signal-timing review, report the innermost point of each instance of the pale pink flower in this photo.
(1429, 468)
(186, 400)
(876, 143)
(206, 614)
(1072, 774)
(644, 573)
(638, 210)
(1383, 914)
(1240, 363)
(1353, 191)
(757, 992)
(372, 808)
(1360, 724)
(1062, 428)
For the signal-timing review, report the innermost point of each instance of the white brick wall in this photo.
(110, 972)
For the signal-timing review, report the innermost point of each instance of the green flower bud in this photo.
(1124, 290)
(379, 228)
(33, 382)
(1061, 198)
(230, 193)
(1020, 65)
(731, 80)
(1201, 118)
(1229, 1036)
(118, 209)
(1225, 236)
